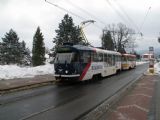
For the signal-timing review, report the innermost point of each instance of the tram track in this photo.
(49, 108)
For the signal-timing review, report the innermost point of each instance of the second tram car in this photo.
(128, 61)
(82, 63)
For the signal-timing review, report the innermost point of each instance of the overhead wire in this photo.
(128, 17)
(145, 17)
(72, 13)
(86, 12)
(117, 12)
(111, 5)
(65, 10)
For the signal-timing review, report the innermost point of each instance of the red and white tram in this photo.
(82, 63)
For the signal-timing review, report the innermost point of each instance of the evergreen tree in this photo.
(38, 50)
(25, 54)
(107, 42)
(67, 32)
(10, 49)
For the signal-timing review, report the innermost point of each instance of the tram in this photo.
(78, 62)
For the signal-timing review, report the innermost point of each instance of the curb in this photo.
(25, 87)
(97, 111)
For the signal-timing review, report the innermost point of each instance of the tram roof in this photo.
(130, 55)
(87, 48)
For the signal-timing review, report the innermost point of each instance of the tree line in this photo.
(12, 51)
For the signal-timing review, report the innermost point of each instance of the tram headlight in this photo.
(66, 71)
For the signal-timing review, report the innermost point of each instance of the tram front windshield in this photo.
(65, 58)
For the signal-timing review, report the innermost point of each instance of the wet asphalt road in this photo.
(63, 102)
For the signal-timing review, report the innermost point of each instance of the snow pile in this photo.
(140, 62)
(14, 71)
(157, 68)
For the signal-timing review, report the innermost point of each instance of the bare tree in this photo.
(131, 45)
(121, 35)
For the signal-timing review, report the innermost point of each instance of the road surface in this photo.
(63, 102)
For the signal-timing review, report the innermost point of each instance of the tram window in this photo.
(85, 57)
(124, 58)
(109, 60)
(92, 56)
(133, 59)
(95, 58)
(113, 60)
(105, 57)
(130, 58)
(75, 57)
(100, 57)
(63, 58)
(119, 58)
(116, 58)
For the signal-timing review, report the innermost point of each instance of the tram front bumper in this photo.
(67, 77)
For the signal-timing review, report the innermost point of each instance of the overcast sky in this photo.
(24, 16)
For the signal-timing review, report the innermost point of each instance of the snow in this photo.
(140, 62)
(14, 71)
(157, 68)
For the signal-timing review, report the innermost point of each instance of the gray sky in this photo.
(25, 15)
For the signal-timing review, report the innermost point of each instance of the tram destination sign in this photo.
(64, 49)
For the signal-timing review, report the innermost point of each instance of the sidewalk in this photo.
(141, 103)
(21, 83)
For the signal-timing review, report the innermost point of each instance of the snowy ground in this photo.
(140, 62)
(157, 68)
(13, 71)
